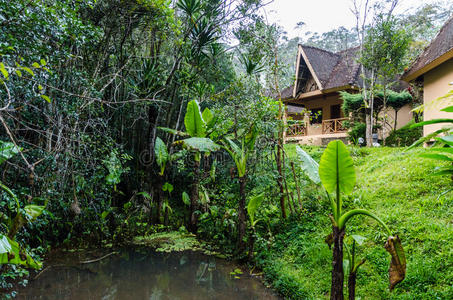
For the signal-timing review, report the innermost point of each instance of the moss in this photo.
(169, 241)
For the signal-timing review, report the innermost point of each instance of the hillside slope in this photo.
(396, 186)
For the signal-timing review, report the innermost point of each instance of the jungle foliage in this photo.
(129, 122)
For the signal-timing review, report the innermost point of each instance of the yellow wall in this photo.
(404, 116)
(436, 84)
(324, 102)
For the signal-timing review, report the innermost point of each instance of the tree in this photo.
(197, 143)
(240, 155)
(382, 48)
(383, 55)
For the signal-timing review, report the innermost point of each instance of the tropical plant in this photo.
(197, 125)
(10, 250)
(352, 264)
(240, 155)
(337, 175)
(252, 207)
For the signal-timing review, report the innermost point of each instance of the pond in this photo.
(145, 274)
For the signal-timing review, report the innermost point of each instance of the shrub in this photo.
(356, 130)
(405, 136)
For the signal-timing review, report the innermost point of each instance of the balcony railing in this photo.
(296, 128)
(334, 126)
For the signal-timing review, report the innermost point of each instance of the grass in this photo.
(396, 186)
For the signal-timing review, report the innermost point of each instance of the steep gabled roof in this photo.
(322, 62)
(439, 50)
(347, 70)
(330, 70)
(287, 93)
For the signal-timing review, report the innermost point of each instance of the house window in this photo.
(335, 111)
(316, 116)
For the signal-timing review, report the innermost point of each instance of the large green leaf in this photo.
(195, 125)
(253, 205)
(336, 168)
(185, 198)
(5, 246)
(308, 165)
(434, 121)
(207, 116)
(33, 211)
(17, 256)
(160, 149)
(250, 137)
(358, 238)
(448, 140)
(174, 131)
(201, 144)
(7, 150)
(238, 154)
(448, 109)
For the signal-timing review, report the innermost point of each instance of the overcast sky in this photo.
(320, 15)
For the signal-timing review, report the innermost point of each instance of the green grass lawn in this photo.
(396, 186)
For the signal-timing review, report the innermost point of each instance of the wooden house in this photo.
(313, 103)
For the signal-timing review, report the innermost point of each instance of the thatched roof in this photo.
(287, 93)
(329, 70)
(323, 62)
(439, 50)
(346, 71)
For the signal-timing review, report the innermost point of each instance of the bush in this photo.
(356, 130)
(405, 136)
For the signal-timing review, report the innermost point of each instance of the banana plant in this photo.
(162, 158)
(240, 154)
(252, 208)
(352, 264)
(196, 140)
(10, 250)
(337, 174)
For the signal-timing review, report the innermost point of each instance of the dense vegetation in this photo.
(122, 121)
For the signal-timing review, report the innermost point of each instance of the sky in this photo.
(320, 15)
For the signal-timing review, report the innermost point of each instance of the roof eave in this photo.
(428, 67)
(316, 93)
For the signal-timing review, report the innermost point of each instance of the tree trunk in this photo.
(158, 199)
(166, 216)
(368, 133)
(296, 182)
(280, 180)
(194, 197)
(242, 215)
(336, 291)
(351, 285)
(251, 243)
(396, 120)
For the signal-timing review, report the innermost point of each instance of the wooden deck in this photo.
(317, 140)
(331, 129)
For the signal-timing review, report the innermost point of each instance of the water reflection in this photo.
(148, 275)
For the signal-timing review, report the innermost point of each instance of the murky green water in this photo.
(145, 275)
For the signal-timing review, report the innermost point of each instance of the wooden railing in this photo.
(296, 128)
(333, 126)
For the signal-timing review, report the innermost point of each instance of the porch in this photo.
(316, 134)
